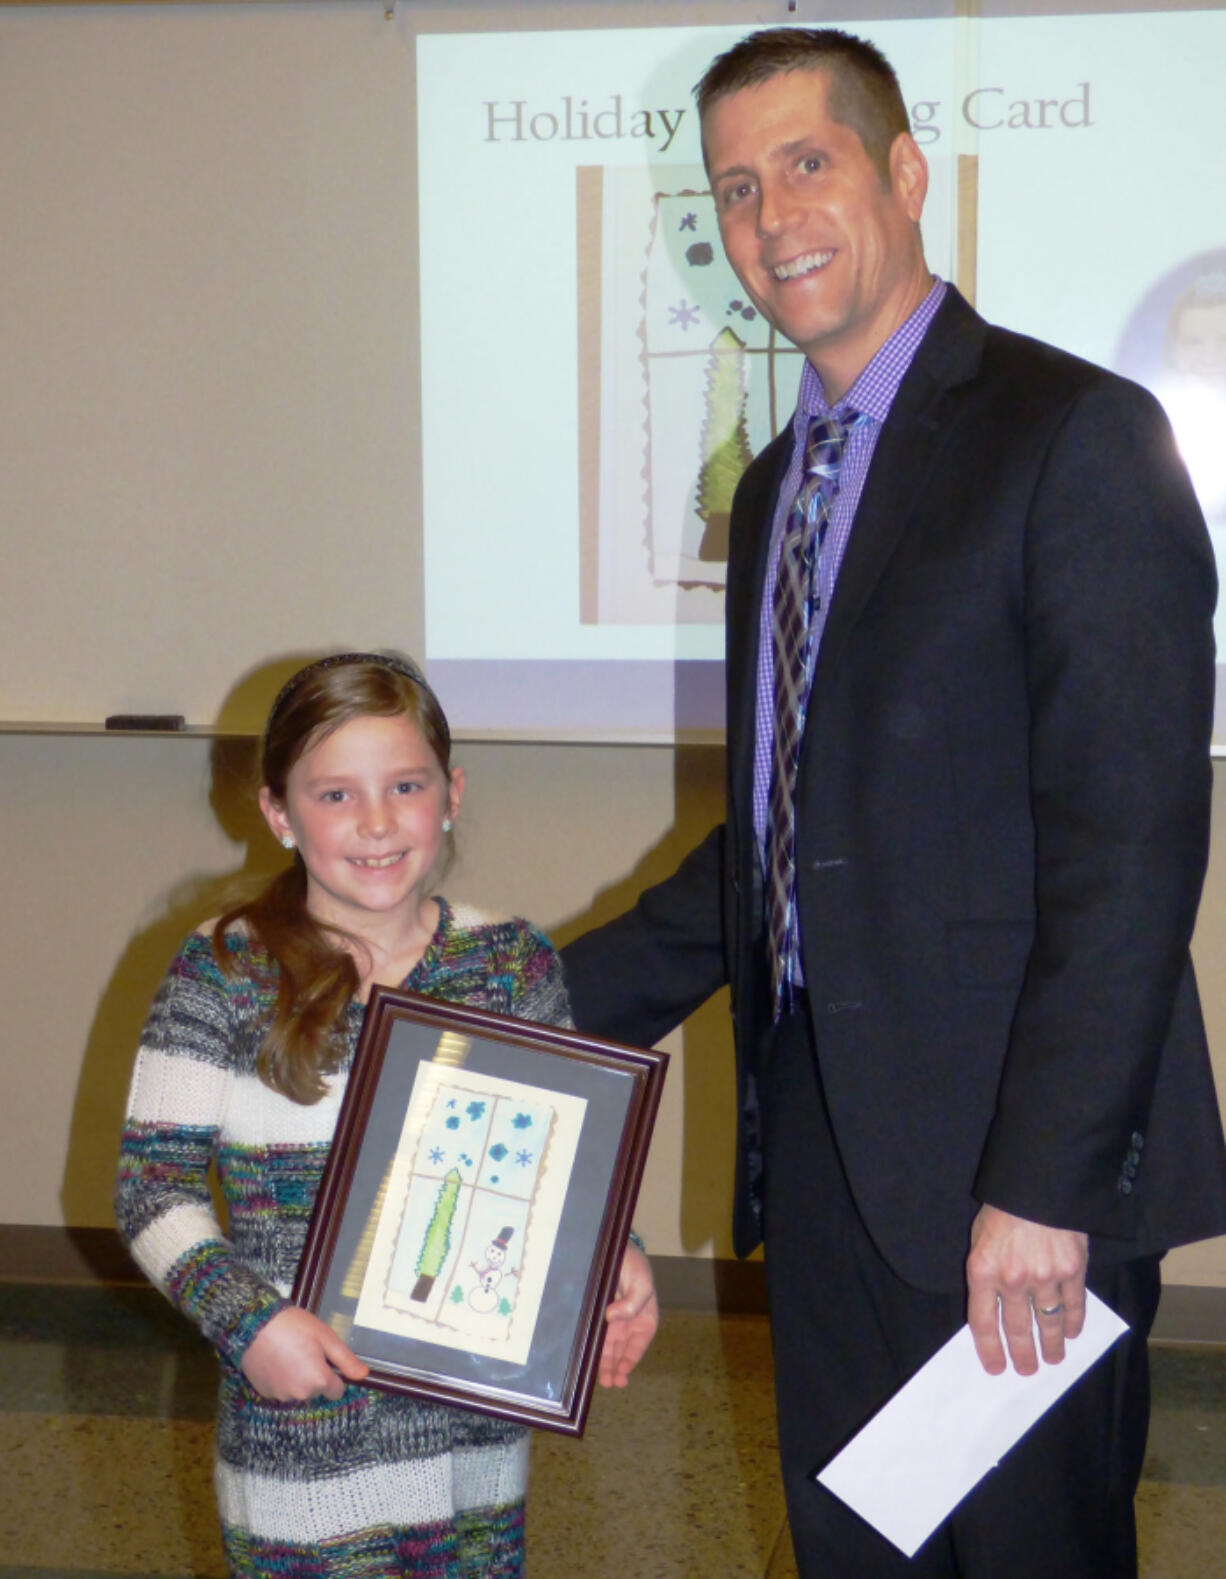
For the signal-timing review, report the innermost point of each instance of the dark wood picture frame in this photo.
(530, 1357)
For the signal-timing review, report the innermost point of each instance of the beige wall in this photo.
(112, 849)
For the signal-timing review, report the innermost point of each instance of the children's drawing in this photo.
(690, 382)
(463, 1244)
(437, 1242)
(694, 382)
(484, 1295)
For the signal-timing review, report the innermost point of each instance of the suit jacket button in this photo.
(1138, 1140)
(1124, 1186)
(1130, 1167)
(1134, 1156)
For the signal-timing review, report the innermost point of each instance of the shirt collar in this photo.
(872, 393)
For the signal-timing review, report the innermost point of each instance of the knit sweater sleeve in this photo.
(185, 1076)
(539, 991)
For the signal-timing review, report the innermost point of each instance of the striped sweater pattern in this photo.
(373, 1484)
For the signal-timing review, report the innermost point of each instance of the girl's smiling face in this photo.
(366, 805)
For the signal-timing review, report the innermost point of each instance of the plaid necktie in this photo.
(795, 605)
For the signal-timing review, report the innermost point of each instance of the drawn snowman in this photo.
(490, 1273)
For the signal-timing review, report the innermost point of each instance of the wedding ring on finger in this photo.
(1050, 1310)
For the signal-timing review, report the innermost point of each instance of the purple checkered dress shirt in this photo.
(871, 395)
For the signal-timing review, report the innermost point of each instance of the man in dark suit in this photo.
(970, 672)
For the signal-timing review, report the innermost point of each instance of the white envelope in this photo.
(948, 1426)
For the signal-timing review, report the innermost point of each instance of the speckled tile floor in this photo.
(106, 1397)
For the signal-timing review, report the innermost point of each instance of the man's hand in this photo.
(1016, 1267)
(296, 1357)
(631, 1321)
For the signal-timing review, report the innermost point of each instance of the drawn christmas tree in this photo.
(726, 450)
(437, 1243)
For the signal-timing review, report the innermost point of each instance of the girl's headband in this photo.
(386, 660)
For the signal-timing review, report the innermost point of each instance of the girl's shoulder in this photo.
(238, 940)
(462, 924)
(502, 963)
(245, 963)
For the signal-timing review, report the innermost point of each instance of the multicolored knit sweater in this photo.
(374, 1484)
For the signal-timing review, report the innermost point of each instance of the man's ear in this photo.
(909, 175)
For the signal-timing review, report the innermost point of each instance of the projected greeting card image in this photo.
(681, 382)
(465, 1234)
(691, 383)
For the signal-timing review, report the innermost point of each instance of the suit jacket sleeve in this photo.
(639, 976)
(1117, 625)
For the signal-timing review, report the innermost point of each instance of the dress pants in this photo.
(847, 1332)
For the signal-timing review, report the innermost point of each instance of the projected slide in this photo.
(703, 379)
(595, 382)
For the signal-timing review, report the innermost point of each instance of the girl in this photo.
(243, 1063)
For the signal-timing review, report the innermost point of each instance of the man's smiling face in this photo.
(826, 246)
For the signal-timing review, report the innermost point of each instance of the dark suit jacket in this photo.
(1002, 824)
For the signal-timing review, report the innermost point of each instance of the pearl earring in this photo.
(447, 825)
(287, 841)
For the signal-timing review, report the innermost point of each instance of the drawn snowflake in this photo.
(523, 1158)
(437, 1154)
(453, 1122)
(475, 1109)
(451, 1102)
(689, 222)
(498, 1151)
(522, 1121)
(684, 315)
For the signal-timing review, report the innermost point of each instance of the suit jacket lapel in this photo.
(753, 514)
(746, 580)
(908, 449)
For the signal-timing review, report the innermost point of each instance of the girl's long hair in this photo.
(316, 974)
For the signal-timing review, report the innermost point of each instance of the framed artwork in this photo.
(470, 1224)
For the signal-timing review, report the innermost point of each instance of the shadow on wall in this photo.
(115, 1032)
(709, 1097)
(707, 1071)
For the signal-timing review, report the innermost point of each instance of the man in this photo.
(970, 672)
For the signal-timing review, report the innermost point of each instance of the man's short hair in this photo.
(862, 90)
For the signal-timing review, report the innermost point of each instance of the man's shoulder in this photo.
(1012, 350)
(1046, 390)
(963, 346)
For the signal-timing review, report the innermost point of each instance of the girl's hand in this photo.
(631, 1321)
(296, 1357)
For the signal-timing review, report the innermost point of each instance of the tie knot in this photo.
(824, 445)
